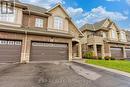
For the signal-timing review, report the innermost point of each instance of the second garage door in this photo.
(10, 51)
(117, 53)
(128, 53)
(41, 51)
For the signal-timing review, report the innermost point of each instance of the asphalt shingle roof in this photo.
(33, 8)
(94, 26)
(36, 8)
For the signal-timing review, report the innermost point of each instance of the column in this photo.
(109, 49)
(124, 52)
(103, 51)
(95, 49)
(70, 50)
(26, 45)
(80, 50)
(23, 51)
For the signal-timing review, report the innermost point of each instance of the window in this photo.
(7, 17)
(104, 35)
(58, 23)
(113, 34)
(123, 36)
(39, 22)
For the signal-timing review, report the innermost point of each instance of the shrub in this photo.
(112, 58)
(106, 57)
(94, 57)
(100, 58)
(122, 59)
(89, 55)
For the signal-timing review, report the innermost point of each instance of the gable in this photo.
(107, 23)
(113, 26)
(59, 11)
(73, 29)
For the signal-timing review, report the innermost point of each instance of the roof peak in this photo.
(95, 26)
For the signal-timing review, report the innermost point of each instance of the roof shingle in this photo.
(95, 26)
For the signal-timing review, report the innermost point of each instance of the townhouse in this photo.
(34, 33)
(105, 38)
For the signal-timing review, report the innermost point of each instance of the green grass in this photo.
(122, 65)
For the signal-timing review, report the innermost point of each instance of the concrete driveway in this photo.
(57, 75)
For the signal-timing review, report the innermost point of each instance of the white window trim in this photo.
(123, 36)
(39, 22)
(58, 23)
(8, 17)
(113, 34)
(104, 35)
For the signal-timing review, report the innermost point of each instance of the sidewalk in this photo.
(104, 68)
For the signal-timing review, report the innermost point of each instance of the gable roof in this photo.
(67, 15)
(59, 4)
(97, 26)
(35, 8)
(38, 9)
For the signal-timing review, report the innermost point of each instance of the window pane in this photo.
(123, 36)
(7, 17)
(113, 34)
(58, 23)
(39, 22)
(104, 34)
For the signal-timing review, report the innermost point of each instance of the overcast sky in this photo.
(91, 11)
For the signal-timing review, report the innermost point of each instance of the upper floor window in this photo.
(7, 17)
(113, 34)
(58, 23)
(39, 23)
(104, 35)
(123, 35)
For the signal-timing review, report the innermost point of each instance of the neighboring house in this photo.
(34, 33)
(105, 38)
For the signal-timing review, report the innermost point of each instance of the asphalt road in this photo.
(56, 75)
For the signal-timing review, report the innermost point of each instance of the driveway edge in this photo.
(6, 66)
(104, 68)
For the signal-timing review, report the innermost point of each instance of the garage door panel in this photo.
(41, 48)
(10, 51)
(48, 51)
(117, 53)
(128, 53)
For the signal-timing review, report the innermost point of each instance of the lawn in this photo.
(122, 65)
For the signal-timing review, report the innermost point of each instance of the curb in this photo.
(104, 68)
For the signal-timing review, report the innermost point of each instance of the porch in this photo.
(76, 49)
(97, 49)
